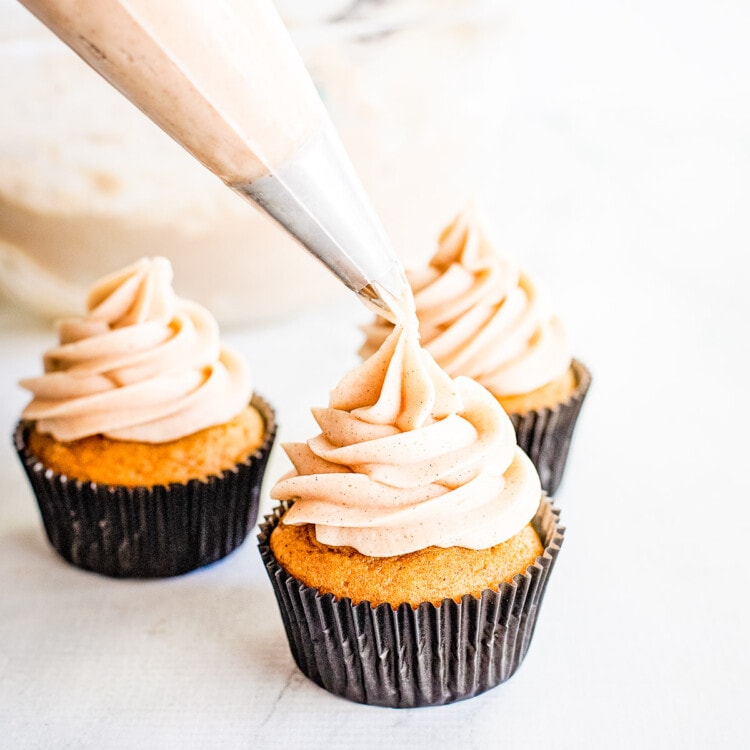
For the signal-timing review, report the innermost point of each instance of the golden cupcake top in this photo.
(141, 365)
(409, 458)
(482, 316)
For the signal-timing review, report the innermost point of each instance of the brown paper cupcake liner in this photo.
(407, 657)
(545, 434)
(149, 532)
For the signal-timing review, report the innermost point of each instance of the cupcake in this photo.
(480, 315)
(143, 442)
(413, 543)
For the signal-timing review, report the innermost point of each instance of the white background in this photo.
(625, 184)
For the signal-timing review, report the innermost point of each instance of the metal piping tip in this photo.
(316, 196)
(390, 296)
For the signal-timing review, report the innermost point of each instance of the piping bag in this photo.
(224, 79)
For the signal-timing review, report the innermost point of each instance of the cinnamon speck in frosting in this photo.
(409, 458)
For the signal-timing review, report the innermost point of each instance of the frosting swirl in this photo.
(481, 316)
(409, 458)
(142, 365)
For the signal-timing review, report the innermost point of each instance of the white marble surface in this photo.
(625, 184)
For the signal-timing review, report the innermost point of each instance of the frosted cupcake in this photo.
(413, 543)
(143, 442)
(482, 316)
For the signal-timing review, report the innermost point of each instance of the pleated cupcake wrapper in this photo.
(545, 434)
(148, 532)
(407, 657)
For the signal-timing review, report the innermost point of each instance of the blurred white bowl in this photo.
(88, 184)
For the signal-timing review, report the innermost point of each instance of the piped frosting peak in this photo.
(480, 315)
(141, 365)
(408, 458)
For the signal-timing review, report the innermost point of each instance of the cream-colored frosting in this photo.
(87, 182)
(480, 315)
(142, 365)
(409, 458)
